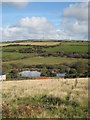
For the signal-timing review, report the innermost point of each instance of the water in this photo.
(37, 74)
(61, 74)
(30, 74)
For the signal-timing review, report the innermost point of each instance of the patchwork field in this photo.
(19, 56)
(45, 98)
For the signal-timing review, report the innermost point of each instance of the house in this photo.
(2, 75)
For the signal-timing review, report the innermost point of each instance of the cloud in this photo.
(46, 0)
(75, 20)
(77, 11)
(39, 27)
(36, 23)
(0, 33)
(30, 28)
(74, 26)
(18, 4)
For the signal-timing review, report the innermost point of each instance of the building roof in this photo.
(1, 72)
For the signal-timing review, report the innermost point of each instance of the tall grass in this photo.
(52, 98)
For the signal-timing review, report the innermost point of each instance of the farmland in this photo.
(26, 54)
(50, 43)
(51, 98)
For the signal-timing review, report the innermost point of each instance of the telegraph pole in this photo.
(43, 35)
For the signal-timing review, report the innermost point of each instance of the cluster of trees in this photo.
(78, 69)
(71, 54)
(56, 54)
(74, 70)
(48, 73)
(14, 74)
(37, 49)
(78, 55)
(26, 50)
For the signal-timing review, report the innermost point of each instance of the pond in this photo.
(61, 74)
(37, 74)
(30, 73)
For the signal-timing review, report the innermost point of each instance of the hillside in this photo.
(70, 57)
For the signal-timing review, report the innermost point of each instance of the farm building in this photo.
(2, 75)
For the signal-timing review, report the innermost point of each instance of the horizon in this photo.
(40, 40)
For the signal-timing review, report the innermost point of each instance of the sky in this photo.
(44, 20)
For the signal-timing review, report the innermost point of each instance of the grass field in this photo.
(58, 98)
(68, 48)
(15, 53)
(43, 60)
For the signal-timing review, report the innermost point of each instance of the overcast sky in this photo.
(51, 20)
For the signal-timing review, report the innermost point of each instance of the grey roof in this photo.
(1, 72)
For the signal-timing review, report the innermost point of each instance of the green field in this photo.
(17, 55)
(44, 60)
(68, 48)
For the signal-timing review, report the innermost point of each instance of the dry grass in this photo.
(57, 98)
(56, 87)
(32, 43)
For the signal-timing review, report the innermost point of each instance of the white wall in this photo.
(2, 77)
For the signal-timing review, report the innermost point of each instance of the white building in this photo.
(2, 76)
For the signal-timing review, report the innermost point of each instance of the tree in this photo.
(72, 71)
(14, 73)
(51, 73)
(80, 67)
(44, 72)
(64, 69)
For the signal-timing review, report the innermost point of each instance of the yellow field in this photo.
(32, 43)
(56, 87)
(57, 98)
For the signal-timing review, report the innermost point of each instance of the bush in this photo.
(80, 67)
(72, 71)
(64, 69)
(14, 74)
(44, 71)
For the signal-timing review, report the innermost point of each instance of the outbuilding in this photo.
(2, 75)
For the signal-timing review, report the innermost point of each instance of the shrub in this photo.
(44, 71)
(14, 74)
(72, 71)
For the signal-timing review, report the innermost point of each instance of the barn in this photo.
(2, 75)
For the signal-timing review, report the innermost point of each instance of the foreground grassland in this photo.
(51, 98)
